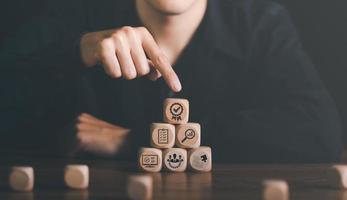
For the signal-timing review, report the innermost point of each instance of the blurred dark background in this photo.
(322, 25)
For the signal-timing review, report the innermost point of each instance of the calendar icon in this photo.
(163, 136)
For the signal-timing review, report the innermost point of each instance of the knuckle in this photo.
(142, 29)
(117, 37)
(160, 59)
(130, 76)
(142, 72)
(127, 30)
(105, 45)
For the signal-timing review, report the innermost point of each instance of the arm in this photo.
(54, 43)
(291, 117)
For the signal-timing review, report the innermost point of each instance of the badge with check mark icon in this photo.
(176, 111)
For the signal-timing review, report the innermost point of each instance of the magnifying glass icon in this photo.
(189, 134)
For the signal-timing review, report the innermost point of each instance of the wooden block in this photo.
(22, 178)
(175, 159)
(140, 187)
(176, 111)
(337, 176)
(76, 176)
(200, 159)
(275, 190)
(188, 135)
(162, 135)
(150, 159)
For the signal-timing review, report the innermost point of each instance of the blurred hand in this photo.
(99, 137)
(123, 52)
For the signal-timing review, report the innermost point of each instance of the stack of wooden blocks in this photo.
(171, 140)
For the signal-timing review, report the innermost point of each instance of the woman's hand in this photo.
(99, 137)
(123, 52)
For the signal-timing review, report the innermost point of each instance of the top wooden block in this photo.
(176, 111)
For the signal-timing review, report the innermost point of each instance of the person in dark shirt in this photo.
(240, 63)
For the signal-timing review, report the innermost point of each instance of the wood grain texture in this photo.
(108, 181)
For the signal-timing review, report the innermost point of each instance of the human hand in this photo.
(99, 137)
(123, 52)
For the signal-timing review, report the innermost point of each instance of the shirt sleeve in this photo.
(290, 117)
(49, 40)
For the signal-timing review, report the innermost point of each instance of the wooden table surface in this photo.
(108, 181)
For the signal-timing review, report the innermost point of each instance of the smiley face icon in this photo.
(175, 159)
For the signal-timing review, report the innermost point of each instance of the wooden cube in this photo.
(162, 135)
(175, 159)
(176, 111)
(22, 178)
(150, 159)
(76, 176)
(337, 176)
(188, 135)
(275, 190)
(140, 187)
(200, 159)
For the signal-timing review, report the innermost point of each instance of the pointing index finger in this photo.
(160, 61)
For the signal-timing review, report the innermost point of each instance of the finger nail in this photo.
(177, 85)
